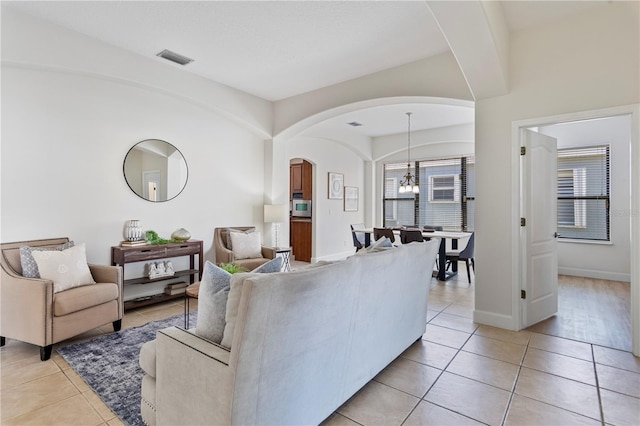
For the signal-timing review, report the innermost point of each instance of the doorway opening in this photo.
(596, 286)
(301, 200)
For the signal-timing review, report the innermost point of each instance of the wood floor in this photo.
(592, 311)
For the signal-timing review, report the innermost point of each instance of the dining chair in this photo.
(384, 232)
(358, 237)
(410, 235)
(465, 254)
(428, 228)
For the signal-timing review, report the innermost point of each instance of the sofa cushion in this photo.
(212, 302)
(233, 300)
(245, 246)
(380, 244)
(148, 358)
(79, 298)
(67, 268)
(28, 263)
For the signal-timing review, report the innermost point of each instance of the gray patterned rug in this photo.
(109, 365)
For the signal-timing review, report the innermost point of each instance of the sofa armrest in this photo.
(268, 252)
(106, 274)
(25, 308)
(194, 381)
(110, 274)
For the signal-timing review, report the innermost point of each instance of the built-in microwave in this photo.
(301, 208)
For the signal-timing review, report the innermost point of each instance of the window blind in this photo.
(583, 193)
(446, 198)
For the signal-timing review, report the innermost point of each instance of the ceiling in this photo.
(279, 49)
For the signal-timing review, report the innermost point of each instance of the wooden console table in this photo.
(120, 256)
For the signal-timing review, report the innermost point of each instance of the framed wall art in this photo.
(336, 186)
(350, 199)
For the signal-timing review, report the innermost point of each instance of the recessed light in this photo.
(175, 57)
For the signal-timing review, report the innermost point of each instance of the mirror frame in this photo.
(124, 171)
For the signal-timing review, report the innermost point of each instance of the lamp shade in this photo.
(275, 213)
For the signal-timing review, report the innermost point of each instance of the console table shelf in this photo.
(147, 280)
(120, 256)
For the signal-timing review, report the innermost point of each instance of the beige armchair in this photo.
(224, 255)
(31, 312)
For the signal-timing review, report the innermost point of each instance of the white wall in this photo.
(67, 124)
(331, 234)
(582, 63)
(604, 261)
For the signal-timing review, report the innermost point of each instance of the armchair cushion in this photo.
(227, 239)
(79, 298)
(67, 268)
(29, 265)
(245, 246)
(274, 265)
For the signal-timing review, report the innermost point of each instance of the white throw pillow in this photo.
(230, 230)
(67, 268)
(245, 246)
(29, 265)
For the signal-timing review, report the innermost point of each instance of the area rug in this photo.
(109, 365)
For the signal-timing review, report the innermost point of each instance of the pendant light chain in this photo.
(409, 184)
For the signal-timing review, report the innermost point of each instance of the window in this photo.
(446, 195)
(583, 193)
(391, 187)
(572, 212)
(444, 189)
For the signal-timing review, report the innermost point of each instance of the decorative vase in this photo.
(133, 231)
(180, 235)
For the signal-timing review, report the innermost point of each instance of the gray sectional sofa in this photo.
(303, 344)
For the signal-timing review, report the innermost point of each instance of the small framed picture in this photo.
(336, 185)
(350, 199)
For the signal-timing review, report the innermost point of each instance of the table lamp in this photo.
(276, 214)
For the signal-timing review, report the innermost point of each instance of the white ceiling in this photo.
(278, 49)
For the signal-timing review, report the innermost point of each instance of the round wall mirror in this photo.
(155, 170)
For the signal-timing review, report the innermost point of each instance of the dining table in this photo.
(441, 274)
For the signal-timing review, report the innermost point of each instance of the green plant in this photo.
(232, 268)
(153, 238)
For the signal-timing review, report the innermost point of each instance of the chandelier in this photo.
(409, 184)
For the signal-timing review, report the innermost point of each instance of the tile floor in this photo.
(460, 373)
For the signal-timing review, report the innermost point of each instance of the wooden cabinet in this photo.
(300, 231)
(295, 178)
(126, 255)
(300, 180)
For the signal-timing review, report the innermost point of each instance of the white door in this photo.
(539, 233)
(151, 185)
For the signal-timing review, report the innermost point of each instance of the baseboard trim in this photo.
(494, 320)
(593, 273)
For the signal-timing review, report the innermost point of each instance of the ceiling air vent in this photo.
(174, 57)
(355, 124)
